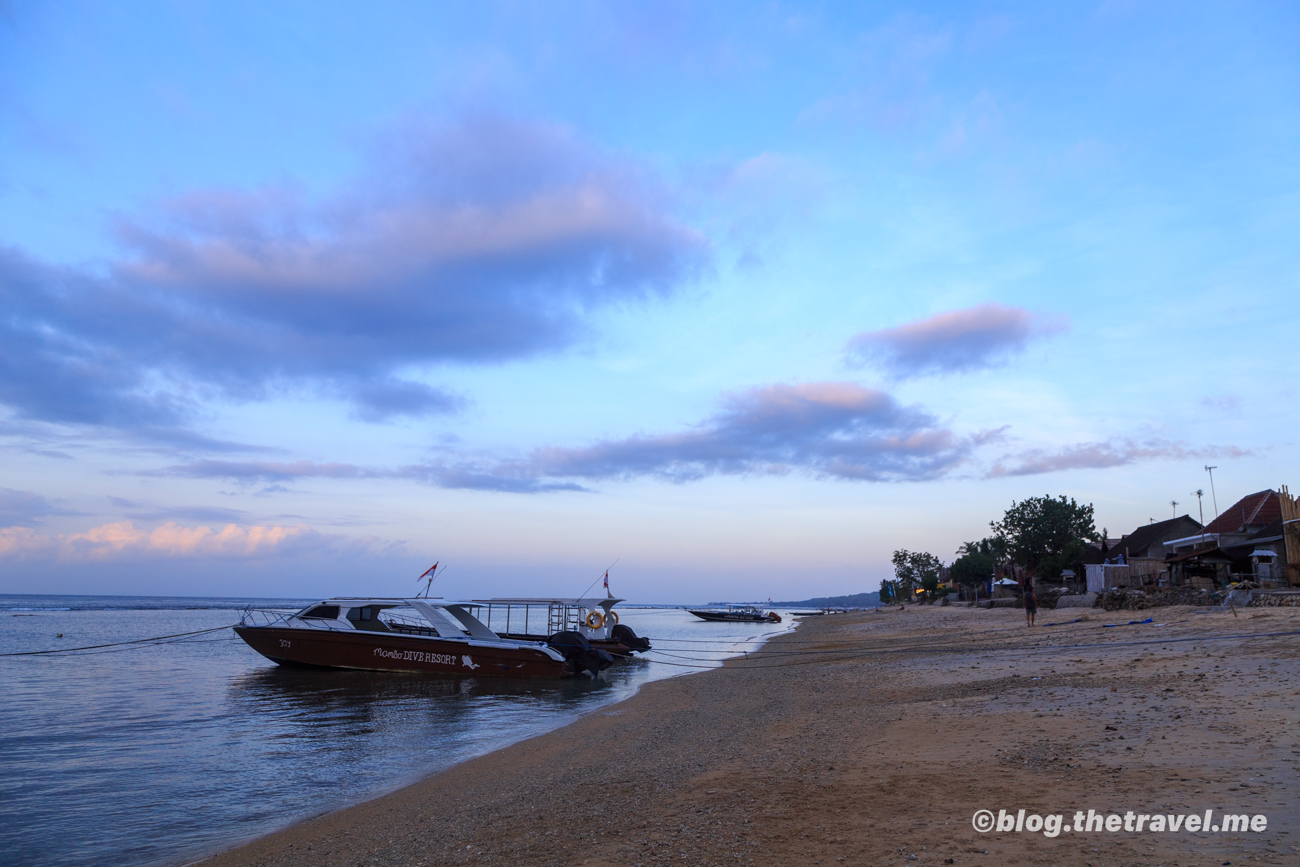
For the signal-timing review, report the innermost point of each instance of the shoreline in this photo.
(850, 740)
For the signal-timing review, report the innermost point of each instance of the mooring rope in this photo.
(118, 643)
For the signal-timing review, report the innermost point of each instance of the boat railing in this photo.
(271, 617)
(263, 617)
(531, 617)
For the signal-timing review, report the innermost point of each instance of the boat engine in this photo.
(579, 653)
(624, 635)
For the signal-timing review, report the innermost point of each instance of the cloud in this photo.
(954, 342)
(189, 513)
(124, 541)
(502, 478)
(1103, 455)
(26, 507)
(473, 242)
(268, 471)
(829, 429)
(390, 398)
(438, 475)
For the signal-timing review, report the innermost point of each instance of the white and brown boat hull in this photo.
(375, 651)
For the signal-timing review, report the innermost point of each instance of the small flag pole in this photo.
(432, 572)
(593, 583)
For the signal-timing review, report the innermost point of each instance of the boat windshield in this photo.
(406, 620)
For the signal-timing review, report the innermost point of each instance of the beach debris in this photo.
(1137, 599)
(1130, 623)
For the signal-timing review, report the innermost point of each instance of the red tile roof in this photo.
(1256, 510)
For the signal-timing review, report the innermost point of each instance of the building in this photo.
(1245, 542)
(1136, 559)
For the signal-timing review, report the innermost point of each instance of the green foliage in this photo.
(993, 547)
(916, 569)
(889, 592)
(1045, 534)
(972, 569)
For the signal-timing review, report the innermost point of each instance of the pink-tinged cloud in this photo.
(830, 429)
(481, 241)
(953, 342)
(25, 542)
(1104, 455)
(124, 541)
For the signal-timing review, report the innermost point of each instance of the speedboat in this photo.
(533, 619)
(428, 636)
(736, 614)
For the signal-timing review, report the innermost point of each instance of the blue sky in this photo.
(299, 298)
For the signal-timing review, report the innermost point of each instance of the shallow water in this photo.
(162, 753)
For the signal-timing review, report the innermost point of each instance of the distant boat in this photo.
(736, 614)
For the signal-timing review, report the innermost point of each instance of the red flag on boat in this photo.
(607, 580)
(427, 571)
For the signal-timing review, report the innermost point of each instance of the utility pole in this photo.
(1174, 503)
(1209, 469)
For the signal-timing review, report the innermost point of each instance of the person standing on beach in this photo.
(1031, 602)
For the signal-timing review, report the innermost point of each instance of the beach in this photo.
(873, 738)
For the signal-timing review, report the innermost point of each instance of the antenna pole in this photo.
(1209, 469)
(1174, 503)
(1200, 511)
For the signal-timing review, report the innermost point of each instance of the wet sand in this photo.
(872, 739)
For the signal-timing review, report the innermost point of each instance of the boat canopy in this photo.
(589, 602)
(362, 612)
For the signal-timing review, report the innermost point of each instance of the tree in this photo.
(973, 569)
(916, 569)
(994, 547)
(1045, 534)
(888, 592)
(977, 562)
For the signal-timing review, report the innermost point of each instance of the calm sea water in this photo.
(163, 753)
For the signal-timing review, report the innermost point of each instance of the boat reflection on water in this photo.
(330, 689)
(291, 718)
(328, 697)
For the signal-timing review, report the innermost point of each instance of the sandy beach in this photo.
(873, 739)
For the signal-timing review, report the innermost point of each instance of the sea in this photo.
(167, 750)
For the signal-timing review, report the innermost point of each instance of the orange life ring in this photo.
(594, 620)
(612, 617)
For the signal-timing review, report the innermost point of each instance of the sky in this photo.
(730, 299)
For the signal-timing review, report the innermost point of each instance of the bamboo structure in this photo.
(1291, 534)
